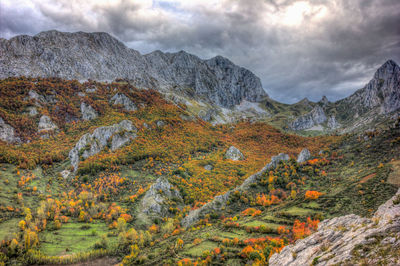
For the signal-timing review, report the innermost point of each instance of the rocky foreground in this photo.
(350, 240)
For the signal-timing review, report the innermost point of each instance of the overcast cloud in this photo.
(298, 48)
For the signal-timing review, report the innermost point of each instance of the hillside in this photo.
(119, 168)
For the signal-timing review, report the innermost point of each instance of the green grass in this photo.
(71, 238)
(199, 249)
(8, 228)
(297, 211)
(312, 205)
(258, 223)
(231, 235)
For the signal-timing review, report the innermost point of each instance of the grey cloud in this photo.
(332, 56)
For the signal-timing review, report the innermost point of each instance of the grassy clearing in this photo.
(258, 223)
(72, 238)
(297, 211)
(199, 249)
(8, 228)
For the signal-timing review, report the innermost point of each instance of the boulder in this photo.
(345, 240)
(116, 136)
(7, 133)
(88, 113)
(155, 201)
(304, 155)
(234, 154)
(65, 173)
(122, 99)
(32, 111)
(91, 90)
(36, 97)
(46, 124)
(208, 167)
(160, 123)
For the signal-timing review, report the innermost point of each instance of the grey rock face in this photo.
(7, 133)
(45, 124)
(303, 156)
(324, 101)
(315, 117)
(382, 92)
(220, 201)
(91, 144)
(333, 123)
(122, 99)
(338, 240)
(154, 202)
(98, 56)
(234, 154)
(88, 113)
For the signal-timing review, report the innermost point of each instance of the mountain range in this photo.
(215, 89)
(109, 156)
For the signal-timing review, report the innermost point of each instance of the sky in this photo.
(297, 48)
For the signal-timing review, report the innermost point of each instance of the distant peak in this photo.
(389, 68)
(389, 62)
(324, 100)
(304, 100)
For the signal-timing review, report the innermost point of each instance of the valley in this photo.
(124, 167)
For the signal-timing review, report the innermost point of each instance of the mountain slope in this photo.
(377, 102)
(99, 56)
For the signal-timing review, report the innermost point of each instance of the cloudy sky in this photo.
(298, 48)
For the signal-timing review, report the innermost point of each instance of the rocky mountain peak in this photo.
(99, 56)
(381, 94)
(388, 69)
(324, 100)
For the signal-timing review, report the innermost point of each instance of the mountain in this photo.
(381, 94)
(375, 103)
(99, 56)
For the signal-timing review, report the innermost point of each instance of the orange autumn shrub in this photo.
(304, 229)
(251, 212)
(311, 194)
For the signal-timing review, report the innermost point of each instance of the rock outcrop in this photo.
(114, 136)
(99, 56)
(350, 240)
(32, 111)
(122, 99)
(45, 124)
(324, 101)
(381, 93)
(88, 113)
(234, 154)
(332, 123)
(220, 201)
(304, 155)
(7, 133)
(315, 117)
(36, 97)
(156, 200)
